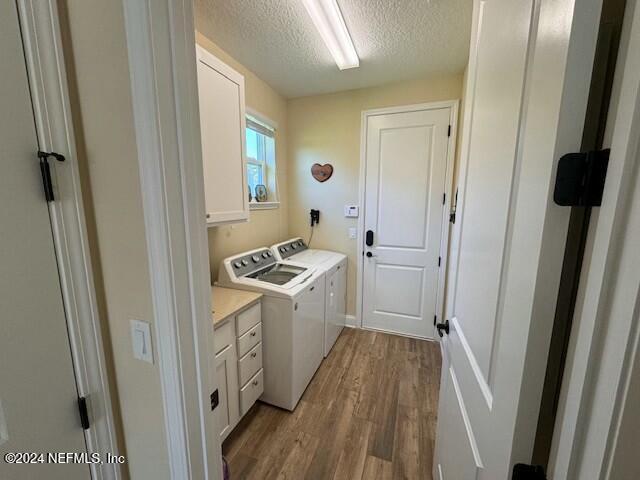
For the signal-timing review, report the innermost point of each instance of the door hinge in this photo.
(522, 471)
(449, 131)
(84, 412)
(215, 399)
(435, 320)
(454, 208)
(443, 327)
(580, 179)
(444, 198)
(45, 171)
(439, 260)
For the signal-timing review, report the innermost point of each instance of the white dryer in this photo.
(334, 266)
(292, 319)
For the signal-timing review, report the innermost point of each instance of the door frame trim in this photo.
(161, 47)
(453, 106)
(605, 336)
(46, 70)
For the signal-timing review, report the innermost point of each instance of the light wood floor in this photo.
(369, 413)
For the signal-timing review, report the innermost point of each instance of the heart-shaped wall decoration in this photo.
(322, 173)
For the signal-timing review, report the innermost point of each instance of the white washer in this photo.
(334, 266)
(292, 319)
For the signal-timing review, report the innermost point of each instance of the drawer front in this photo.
(248, 319)
(251, 392)
(249, 340)
(223, 336)
(250, 364)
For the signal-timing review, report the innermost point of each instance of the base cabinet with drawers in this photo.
(238, 363)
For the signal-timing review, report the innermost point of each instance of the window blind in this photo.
(260, 128)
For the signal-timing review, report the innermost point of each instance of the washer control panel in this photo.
(291, 248)
(245, 264)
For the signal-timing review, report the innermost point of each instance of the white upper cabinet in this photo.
(222, 127)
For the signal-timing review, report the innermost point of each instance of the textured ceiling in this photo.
(395, 40)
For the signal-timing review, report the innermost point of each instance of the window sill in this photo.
(263, 205)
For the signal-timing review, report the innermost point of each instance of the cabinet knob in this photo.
(255, 383)
(253, 334)
(295, 307)
(254, 354)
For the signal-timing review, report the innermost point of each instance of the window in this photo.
(261, 164)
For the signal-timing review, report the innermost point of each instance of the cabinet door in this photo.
(228, 411)
(222, 128)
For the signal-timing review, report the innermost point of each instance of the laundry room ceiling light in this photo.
(329, 21)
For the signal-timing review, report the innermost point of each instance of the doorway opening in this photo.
(316, 126)
(504, 208)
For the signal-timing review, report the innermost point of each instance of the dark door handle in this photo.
(443, 327)
(369, 238)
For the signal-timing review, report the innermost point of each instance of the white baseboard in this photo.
(351, 322)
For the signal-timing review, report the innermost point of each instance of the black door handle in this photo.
(369, 238)
(443, 327)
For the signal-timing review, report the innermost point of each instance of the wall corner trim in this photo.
(162, 63)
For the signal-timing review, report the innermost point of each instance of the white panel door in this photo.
(509, 237)
(222, 130)
(406, 162)
(38, 396)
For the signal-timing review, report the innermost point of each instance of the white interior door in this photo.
(405, 172)
(509, 237)
(38, 396)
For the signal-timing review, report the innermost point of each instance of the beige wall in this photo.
(265, 227)
(96, 55)
(326, 129)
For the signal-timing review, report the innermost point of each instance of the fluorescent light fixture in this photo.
(328, 20)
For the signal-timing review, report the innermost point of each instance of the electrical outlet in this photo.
(353, 232)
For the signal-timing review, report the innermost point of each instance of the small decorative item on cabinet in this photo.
(322, 173)
(261, 193)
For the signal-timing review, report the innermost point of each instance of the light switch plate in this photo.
(141, 341)
(4, 433)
